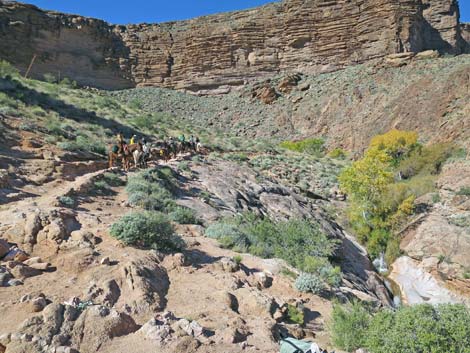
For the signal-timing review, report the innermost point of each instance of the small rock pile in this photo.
(16, 265)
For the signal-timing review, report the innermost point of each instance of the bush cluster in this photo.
(418, 329)
(147, 229)
(299, 242)
(313, 146)
(383, 185)
(154, 190)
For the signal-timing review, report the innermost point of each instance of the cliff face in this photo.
(465, 28)
(228, 49)
(86, 50)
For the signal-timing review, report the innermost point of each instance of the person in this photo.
(182, 138)
(120, 143)
(192, 142)
(133, 139)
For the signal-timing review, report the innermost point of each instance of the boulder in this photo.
(4, 248)
(187, 344)
(427, 54)
(22, 271)
(229, 265)
(97, 325)
(5, 276)
(38, 304)
(171, 262)
(16, 254)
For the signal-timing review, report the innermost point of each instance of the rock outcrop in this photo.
(225, 50)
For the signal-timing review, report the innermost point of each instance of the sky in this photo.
(155, 11)
(150, 11)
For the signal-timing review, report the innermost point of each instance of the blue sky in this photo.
(151, 11)
(137, 11)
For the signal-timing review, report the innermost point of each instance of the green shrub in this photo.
(298, 242)
(147, 229)
(68, 83)
(349, 326)
(338, 153)
(7, 70)
(183, 166)
(228, 235)
(295, 315)
(67, 201)
(309, 282)
(113, 179)
(426, 160)
(236, 157)
(313, 146)
(83, 143)
(50, 78)
(183, 215)
(464, 191)
(421, 328)
(238, 259)
(149, 191)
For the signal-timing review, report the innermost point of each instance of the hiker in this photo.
(133, 139)
(182, 138)
(192, 143)
(121, 143)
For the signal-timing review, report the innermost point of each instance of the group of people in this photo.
(142, 151)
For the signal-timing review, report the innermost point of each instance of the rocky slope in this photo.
(80, 290)
(348, 107)
(308, 36)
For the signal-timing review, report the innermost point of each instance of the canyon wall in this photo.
(228, 49)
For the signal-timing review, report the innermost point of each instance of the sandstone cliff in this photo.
(228, 49)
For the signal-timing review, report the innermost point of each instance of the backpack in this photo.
(291, 345)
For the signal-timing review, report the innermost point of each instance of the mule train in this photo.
(140, 154)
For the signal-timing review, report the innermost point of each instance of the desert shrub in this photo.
(238, 259)
(7, 70)
(312, 146)
(299, 242)
(149, 190)
(309, 282)
(147, 229)
(464, 191)
(236, 157)
(68, 83)
(113, 179)
(421, 328)
(67, 201)
(50, 78)
(426, 160)
(349, 326)
(183, 166)
(294, 315)
(83, 143)
(338, 153)
(183, 215)
(229, 236)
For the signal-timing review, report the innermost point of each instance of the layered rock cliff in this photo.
(228, 49)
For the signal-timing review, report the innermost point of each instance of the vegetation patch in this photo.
(420, 328)
(313, 146)
(299, 242)
(383, 185)
(147, 229)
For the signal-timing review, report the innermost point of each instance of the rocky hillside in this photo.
(347, 108)
(67, 284)
(307, 36)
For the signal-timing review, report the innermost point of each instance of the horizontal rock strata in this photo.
(205, 53)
